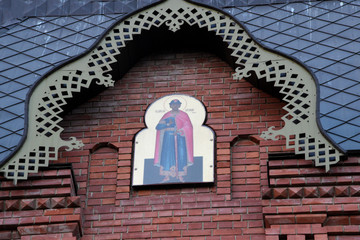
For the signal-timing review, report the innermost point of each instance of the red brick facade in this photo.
(253, 197)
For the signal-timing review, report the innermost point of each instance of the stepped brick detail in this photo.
(43, 207)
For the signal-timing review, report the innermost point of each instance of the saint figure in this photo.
(174, 143)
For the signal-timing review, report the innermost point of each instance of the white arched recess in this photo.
(48, 98)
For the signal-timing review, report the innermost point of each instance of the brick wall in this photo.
(252, 197)
(237, 112)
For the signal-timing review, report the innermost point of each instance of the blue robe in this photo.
(174, 140)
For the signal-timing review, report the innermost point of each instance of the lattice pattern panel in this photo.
(321, 34)
(296, 83)
(299, 90)
(31, 48)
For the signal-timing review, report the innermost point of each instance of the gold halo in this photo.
(172, 97)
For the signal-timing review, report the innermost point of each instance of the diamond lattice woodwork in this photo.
(296, 83)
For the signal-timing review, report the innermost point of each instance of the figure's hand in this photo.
(181, 132)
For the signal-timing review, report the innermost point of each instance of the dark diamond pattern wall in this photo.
(324, 35)
(29, 50)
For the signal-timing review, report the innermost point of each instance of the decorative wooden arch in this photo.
(56, 89)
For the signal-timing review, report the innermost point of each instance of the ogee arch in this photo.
(53, 92)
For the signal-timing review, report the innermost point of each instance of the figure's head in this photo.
(175, 104)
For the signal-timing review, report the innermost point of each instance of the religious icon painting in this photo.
(176, 147)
